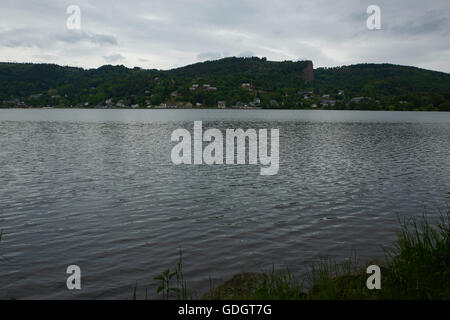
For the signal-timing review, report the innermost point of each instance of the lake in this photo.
(98, 189)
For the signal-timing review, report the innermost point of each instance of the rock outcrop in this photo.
(309, 72)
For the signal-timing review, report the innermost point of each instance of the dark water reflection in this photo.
(98, 189)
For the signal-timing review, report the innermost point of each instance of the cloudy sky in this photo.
(171, 33)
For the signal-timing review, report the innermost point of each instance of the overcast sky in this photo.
(173, 33)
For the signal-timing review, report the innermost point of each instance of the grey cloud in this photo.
(246, 54)
(37, 38)
(46, 57)
(209, 56)
(15, 38)
(431, 23)
(114, 57)
(74, 36)
(168, 33)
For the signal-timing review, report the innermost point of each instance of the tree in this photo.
(444, 106)
(156, 100)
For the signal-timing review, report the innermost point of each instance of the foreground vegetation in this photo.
(417, 268)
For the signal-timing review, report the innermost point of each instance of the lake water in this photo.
(97, 188)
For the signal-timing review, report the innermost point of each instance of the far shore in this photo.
(208, 108)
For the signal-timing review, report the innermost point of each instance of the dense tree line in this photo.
(271, 84)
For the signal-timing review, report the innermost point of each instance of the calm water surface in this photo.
(97, 188)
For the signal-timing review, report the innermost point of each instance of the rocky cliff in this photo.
(309, 72)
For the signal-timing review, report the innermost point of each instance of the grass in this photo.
(258, 286)
(418, 268)
(172, 284)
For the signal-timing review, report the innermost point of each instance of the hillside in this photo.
(383, 79)
(241, 82)
(259, 72)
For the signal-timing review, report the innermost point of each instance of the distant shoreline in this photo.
(212, 108)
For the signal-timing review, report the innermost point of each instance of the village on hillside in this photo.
(309, 98)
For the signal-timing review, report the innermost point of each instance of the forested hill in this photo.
(259, 72)
(232, 82)
(383, 79)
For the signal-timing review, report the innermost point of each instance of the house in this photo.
(246, 86)
(239, 105)
(255, 102)
(174, 94)
(326, 96)
(212, 89)
(221, 104)
(357, 100)
(109, 102)
(120, 104)
(36, 96)
(327, 102)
